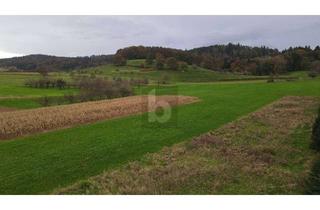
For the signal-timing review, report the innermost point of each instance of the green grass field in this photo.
(13, 92)
(41, 163)
(192, 74)
(12, 85)
(300, 75)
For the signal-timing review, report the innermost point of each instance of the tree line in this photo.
(53, 63)
(89, 89)
(231, 57)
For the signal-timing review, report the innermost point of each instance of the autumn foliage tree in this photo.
(279, 64)
(119, 60)
(315, 66)
(149, 60)
(172, 63)
(183, 66)
(53, 63)
(160, 61)
(207, 62)
(230, 57)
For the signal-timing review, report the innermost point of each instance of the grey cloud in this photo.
(87, 35)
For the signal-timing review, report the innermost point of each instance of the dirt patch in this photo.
(256, 154)
(19, 123)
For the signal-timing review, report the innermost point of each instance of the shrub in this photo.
(46, 82)
(92, 75)
(160, 61)
(98, 88)
(165, 79)
(125, 89)
(149, 60)
(316, 133)
(60, 83)
(139, 82)
(119, 60)
(30, 83)
(44, 101)
(91, 89)
(313, 183)
(270, 79)
(312, 74)
(315, 66)
(70, 98)
(183, 66)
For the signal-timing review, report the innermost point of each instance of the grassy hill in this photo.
(134, 70)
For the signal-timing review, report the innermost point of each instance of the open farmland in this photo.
(258, 154)
(159, 105)
(40, 163)
(14, 94)
(12, 86)
(191, 74)
(21, 123)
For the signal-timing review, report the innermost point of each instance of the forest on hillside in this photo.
(53, 63)
(233, 58)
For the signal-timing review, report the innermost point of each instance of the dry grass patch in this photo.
(257, 154)
(6, 109)
(19, 123)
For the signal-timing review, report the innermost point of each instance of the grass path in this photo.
(41, 163)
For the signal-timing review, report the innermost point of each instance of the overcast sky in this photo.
(88, 35)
